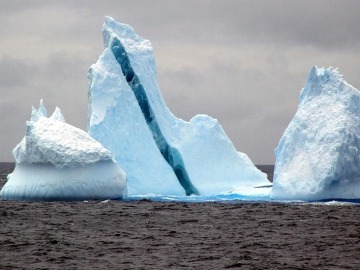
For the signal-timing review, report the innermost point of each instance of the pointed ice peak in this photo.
(129, 39)
(313, 72)
(42, 108)
(324, 81)
(41, 112)
(57, 115)
(121, 29)
(111, 23)
(327, 74)
(33, 111)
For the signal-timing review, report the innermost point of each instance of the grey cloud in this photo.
(64, 66)
(327, 24)
(242, 62)
(12, 128)
(321, 23)
(15, 72)
(15, 6)
(177, 88)
(187, 75)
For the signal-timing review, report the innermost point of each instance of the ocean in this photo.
(146, 234)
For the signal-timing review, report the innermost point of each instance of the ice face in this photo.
(202, 158)
(56, 161)
(171, 155)
(42, 182)
(116, 120)
(318, 154)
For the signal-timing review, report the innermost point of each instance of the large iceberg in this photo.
(160, 153)
(56, 161)
(318, 155)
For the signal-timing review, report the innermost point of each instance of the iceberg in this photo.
(318, 155)
(56, 161)
(160, 153)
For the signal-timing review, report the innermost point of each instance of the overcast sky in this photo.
(242, 62)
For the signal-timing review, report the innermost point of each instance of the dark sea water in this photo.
(145, 234)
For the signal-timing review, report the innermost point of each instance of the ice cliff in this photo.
(318, 155)
(160, 153)
(56, 161)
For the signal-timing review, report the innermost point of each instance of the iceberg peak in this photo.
(42, 109)
(326, 81)
(57, 115)
(41, 112)
(318, 154)
(132, 42)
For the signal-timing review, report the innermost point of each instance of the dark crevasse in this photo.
(170, 154)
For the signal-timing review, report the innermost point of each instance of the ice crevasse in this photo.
(318, 155)
(160, 153)
(56, 161)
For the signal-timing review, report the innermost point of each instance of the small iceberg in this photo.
(318, 156)
(56, 161)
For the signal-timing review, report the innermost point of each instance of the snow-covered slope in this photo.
(318, 155)
(56, 161)
(201, 156)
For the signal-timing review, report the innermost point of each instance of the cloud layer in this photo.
(242, 62)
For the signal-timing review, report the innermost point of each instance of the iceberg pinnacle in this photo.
(196, 154)
(318, 155)
(56, 161)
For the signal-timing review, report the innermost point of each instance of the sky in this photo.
(241, 62)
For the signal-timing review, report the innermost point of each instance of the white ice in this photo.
(318, 155)
(129, 116)
(56, 161)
